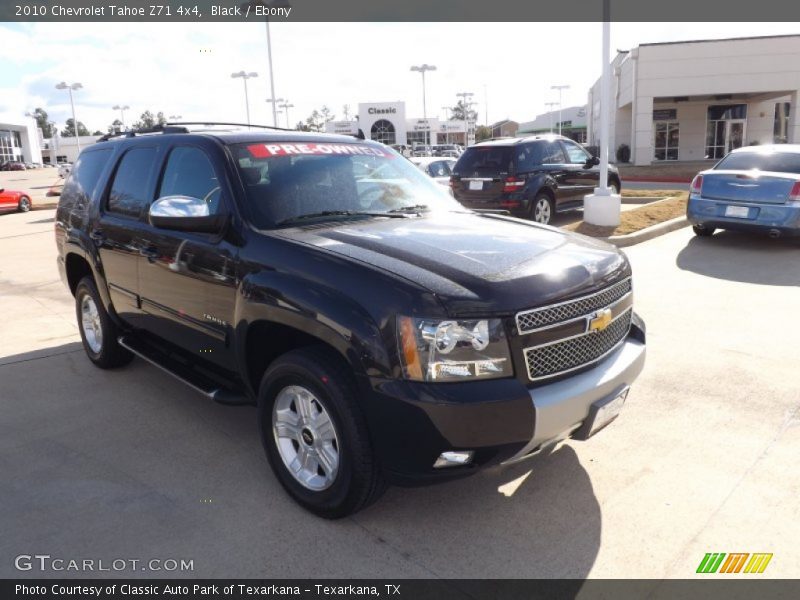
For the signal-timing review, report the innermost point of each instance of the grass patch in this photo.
(626, 193)
(638, 218)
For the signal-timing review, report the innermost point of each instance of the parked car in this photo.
(386, 334)
(402, 149)
(438, 168)
(421, 150)
(532, 177)
(754, 188)
(11, 201)
(64, 170)
(13, 166)
(447, 150)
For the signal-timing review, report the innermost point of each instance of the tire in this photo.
(703, 231)
(542, 209)
(24, 204)
(614, 186)
(317, 379)
(98, 332)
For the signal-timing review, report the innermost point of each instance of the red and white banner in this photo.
(269, 150)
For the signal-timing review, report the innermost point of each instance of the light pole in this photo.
(245, 76)
(121, 110)
(422, 69)
(446, 110)
(550, 106)
(485, 106)
(286, 106)
(560, 88)
(274, 101)
(72, 86)
(465, 103)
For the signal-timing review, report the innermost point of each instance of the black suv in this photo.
(386, 333)
(532, 177)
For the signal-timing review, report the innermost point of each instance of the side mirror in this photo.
(184, 213)
(593, 161)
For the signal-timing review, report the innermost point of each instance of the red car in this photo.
(11, 201)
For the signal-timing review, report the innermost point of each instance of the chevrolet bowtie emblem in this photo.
(600, 320)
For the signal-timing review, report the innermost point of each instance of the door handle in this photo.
(97, 235)
(150, 252)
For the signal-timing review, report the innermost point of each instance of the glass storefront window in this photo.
(667, 138)
(780, 130)
(383, 131)
(725, 129)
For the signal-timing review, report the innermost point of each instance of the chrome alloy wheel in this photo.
(305, 437)
(541, 212)
(91, 325)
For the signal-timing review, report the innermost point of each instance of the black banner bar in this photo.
(185, 11)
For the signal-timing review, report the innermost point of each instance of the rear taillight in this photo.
(697, 184)
(794, 195)
(453, 181)
(513, 184)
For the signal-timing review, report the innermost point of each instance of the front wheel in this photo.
(314, 434)
(98, 332)
(24, 204)
(542, 210)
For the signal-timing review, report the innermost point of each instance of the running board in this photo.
(182, 372)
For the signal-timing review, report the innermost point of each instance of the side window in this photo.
(129, 192)
(439, 168)
(553, 154)
(530, 156)
(82, 181)
(576, 154)
(189, 173)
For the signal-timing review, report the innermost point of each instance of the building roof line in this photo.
(731, 39)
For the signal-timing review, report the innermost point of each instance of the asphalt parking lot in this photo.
(132, 464)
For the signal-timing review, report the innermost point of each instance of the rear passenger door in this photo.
(554, 162)
(187, 280)
(586, 176)
(118, 230)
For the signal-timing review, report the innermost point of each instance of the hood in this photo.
(476, 264)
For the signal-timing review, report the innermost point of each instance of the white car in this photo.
(435, 166)
(64, 169)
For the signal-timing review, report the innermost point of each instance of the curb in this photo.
(622, 241)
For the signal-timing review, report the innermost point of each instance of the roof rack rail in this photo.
(231, 124)
(166, 128)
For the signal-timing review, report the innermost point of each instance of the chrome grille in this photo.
(537, 318)
(560, 357)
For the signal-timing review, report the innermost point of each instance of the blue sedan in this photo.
(756, 188)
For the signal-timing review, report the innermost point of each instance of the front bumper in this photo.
(500, 420)
(760, 217)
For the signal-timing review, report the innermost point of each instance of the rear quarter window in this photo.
(82, 181)
(488, 159)
(131, 190)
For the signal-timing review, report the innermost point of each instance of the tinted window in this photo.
(439, 168)
(82, 181)
(189, 173)
(782, 162)
(129, 192)
(552, 154)
(485, 158)
(530, 156)
(576, 154)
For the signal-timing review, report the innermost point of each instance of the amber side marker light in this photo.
(408, 347)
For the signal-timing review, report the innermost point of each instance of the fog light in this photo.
(453, 459)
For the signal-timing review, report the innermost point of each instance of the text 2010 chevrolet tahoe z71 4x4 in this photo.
(386, 333)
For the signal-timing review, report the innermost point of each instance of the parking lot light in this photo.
(244, 77)
(69, 87)
(286, 106)
(550, 106)
(121, 110)
(422, 69)
(560, 88)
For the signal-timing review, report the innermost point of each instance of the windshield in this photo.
(782, 162)
(285, 182)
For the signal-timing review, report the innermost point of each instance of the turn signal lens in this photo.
(408, 347)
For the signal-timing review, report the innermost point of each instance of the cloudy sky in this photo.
(184, 69)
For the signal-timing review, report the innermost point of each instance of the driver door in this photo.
(187, 280)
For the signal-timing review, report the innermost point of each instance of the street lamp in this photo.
(465, 103)
(559, 88)
(72, 86)
(286, 106)
(245, 76)
(274, 101)
(121, 110)
(550, 106)
(422, 69)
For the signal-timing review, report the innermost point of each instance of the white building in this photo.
(20, 139)
(65, 149)
(386, 122)
(571, 118)
(697, 100)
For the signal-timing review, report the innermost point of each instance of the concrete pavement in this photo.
(131, 464)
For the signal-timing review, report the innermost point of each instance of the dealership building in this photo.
(386, 122)
(19, 140)
(698, 100)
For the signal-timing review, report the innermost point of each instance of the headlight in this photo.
(453, 350)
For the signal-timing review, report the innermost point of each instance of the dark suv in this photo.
(532, 178)
(386, 334)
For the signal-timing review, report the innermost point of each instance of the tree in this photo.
(43, 123)
(482, 132)
(457, 112)
(69, 129)
(115, 127)
(346, 111)
(97, 132)
(318, 119)
(301, 126)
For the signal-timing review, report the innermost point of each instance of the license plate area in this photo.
(475, 185)
(739, 212)
(601, 414)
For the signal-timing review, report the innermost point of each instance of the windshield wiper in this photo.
(337, 213)
(416, 208)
